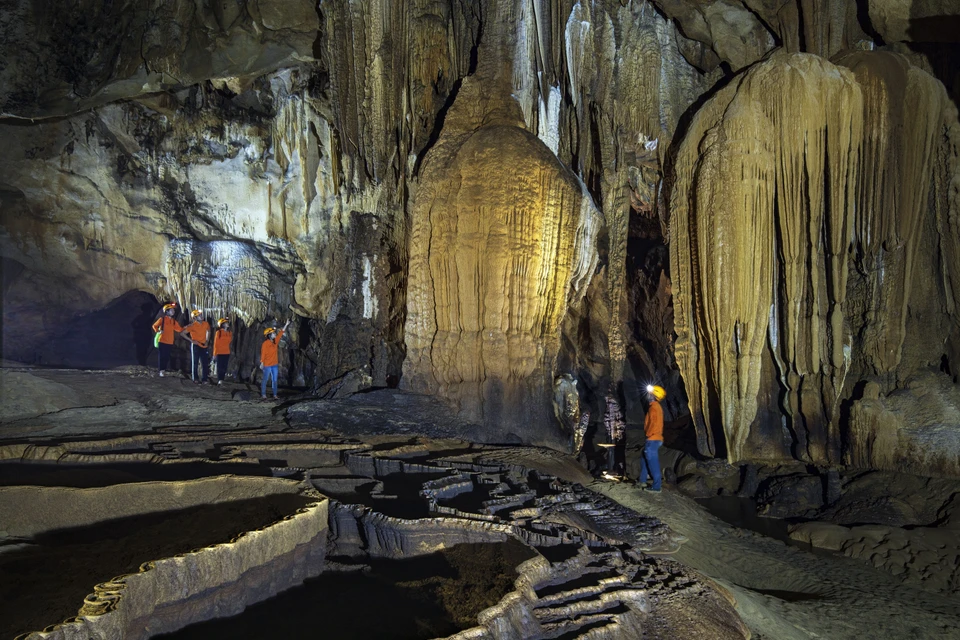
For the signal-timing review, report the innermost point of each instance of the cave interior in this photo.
(484, 224)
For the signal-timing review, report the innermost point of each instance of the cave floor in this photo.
(781, 591)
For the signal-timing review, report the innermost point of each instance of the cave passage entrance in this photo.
(120, 334)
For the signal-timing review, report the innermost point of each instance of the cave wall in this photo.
(753, 203)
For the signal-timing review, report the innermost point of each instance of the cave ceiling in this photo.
(755, 203)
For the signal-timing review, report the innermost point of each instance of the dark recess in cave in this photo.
(120, 334)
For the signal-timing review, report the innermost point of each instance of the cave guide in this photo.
(653, 429)
(167, 327)
(270, 359)
(221, 347)
(198, 334)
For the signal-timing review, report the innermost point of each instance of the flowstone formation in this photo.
(290, 170)
(807, 228)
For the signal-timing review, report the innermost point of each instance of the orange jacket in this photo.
(268, 351)
(653, 423)
(199, 332)
(166, 326)
(221, 342)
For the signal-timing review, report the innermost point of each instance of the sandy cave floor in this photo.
(781, 591)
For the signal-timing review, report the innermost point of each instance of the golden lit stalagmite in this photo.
(499, 240)
(758, 242)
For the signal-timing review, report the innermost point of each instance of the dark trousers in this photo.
(202, 356)
(222, 361)
(163, 356)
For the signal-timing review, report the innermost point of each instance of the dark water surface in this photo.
(742, 513)
(427, 597)
(45, 582)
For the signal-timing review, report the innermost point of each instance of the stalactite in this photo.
(905, 108)
(851, 165)
(760, 182)
(223, 278)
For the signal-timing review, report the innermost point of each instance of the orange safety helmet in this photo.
(222, 321)
(658, 392)
(269, 330)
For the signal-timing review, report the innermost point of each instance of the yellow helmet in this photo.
(172, 305)
(222, 321)
(658, 392)
(269, 330)
(195, 313)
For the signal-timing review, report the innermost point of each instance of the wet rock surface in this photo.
(600, 554)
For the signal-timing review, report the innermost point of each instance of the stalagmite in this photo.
(495, 254)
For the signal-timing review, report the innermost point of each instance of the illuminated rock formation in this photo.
(502, 240)
(800, 207)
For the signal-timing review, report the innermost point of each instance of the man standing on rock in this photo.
(167, 327)
(653, 428)
(198, 334)
(270, 358)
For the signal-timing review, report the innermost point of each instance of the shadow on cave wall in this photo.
(119, 334)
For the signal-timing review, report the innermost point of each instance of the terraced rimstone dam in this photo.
(481, 548)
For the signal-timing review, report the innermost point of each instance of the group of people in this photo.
(653, 431)
(197, 333)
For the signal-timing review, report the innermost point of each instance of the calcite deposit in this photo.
(803, 194)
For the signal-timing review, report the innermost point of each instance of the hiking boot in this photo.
(652, 490)
(219, 382)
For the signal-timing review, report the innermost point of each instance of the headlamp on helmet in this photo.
(658, 392)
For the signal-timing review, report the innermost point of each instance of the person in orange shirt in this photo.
(270, 358)
(198, 334)
(221, 347)
(167, 327)
(653, 428)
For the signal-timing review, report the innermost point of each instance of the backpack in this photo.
(156, 337)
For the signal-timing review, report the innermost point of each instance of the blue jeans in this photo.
(650, 462)
(271, 374)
